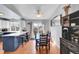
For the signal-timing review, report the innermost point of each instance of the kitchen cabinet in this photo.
(12, 41)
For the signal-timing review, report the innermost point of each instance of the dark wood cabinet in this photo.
(68, 46)
(70, 34)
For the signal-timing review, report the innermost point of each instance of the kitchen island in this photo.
(12, 41)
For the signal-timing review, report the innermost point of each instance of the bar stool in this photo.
(23, 38)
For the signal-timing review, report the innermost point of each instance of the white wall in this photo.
(56, 35)
(74, 7)
(46, 25)
(56, 31)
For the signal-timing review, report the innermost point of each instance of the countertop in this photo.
(15, 34)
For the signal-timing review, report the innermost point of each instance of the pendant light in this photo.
(39, 12)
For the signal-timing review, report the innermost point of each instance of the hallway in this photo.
(29, 48)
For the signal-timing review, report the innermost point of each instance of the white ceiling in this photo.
(28, 11)
(7, 13)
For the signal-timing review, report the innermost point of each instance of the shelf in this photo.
(70, 45)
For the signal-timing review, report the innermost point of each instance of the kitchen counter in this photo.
(12, 41)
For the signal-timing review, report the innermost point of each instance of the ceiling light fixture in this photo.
(1, 14)
(39, 12)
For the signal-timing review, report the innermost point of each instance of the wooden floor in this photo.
(29, 48)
